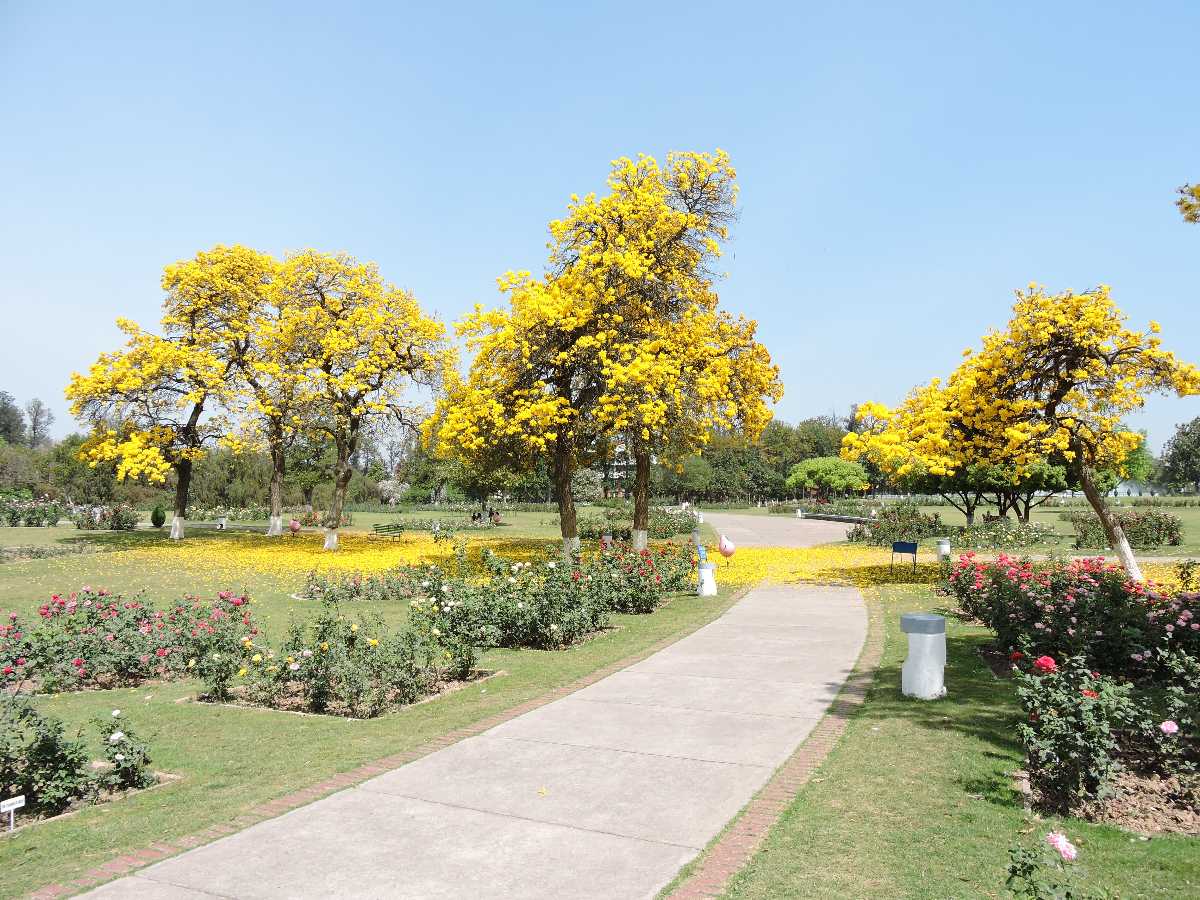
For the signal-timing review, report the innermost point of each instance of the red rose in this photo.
(77, 662)
(8, 670)
(161, 651)
(1045, 664)
(1016, 656)
(20, 660)
(1089, 694)
(1095, 674)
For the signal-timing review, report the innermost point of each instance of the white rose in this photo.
(120, 757)
(116, 714)
(116, 737)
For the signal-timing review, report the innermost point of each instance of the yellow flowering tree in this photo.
(1057, 383)
(362, 343)
(618, 340)
(228, 298)
(146, 404)
(1189, 202)
(678, 385)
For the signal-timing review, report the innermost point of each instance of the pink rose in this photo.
(1169, 727)
(1044, 665)
(1059, 842)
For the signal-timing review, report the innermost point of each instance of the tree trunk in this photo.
(641, 499)
(333, 519)
(183, 481)
(563, 469)
(308, 495)
(275, 529)
(1112, 528)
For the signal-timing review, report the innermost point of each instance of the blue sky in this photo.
(903, 167)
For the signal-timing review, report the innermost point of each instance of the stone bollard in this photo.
(943, 550)
(707, 585)
(924, 672)
(799, 513)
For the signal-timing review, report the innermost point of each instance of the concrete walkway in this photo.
(603, 794)
(746, 530)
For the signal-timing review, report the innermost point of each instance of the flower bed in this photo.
(43, 513)
(53, 770)
(897, 522)
(1005, 535)
(94, 639)
(1108, 672)
(1145, 529)
(105, 518)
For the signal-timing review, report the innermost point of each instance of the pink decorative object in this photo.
(1059, 842)
(294, 525)
(726, 547)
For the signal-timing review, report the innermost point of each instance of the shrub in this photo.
(355, 668)
(128, 755)
(96, 639)
(897, 522)
(1045, 872)
(39, 760)
(1069, 735)
(315, 518)
(1144, 529)
(158, 516)
(1082, 607)
(106, 518)
(17, 511)
(667, 523)
(1005, 535)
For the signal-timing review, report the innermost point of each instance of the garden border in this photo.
(733, 849)
(159, 850)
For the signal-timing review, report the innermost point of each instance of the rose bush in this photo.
(1103, 662)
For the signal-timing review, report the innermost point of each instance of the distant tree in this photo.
(1181, 456)
(12, 423)
(41, 417)
(819, 436)
(693, 479)
(827, 475)
(587, 485)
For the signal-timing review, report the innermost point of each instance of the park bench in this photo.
(904, 547)
(392, 530)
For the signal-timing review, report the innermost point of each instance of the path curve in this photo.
(775, 531)
(603, 794)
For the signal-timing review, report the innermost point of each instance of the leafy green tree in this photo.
(1181, 456)
(12, 422)
(827, 475)
(77, 479)
(692, 480)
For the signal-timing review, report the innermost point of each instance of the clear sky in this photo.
(904, 166)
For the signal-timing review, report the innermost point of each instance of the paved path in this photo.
(603, 794)
(775, 531)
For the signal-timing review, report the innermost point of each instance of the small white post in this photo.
(799, 513)
(707, 584)
(943, 549)
(924, 672)
(222, 523)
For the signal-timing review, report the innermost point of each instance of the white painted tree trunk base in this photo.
(570, 546)
(331, 539)
(275, 529)
(177, 523)
(641, 539)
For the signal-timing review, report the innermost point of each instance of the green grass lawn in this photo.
(917, 800)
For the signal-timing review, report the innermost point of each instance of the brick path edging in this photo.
(731, 852)
(159, 850)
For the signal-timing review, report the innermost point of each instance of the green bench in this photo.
(393, 530)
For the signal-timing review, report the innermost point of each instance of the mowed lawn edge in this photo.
(234, 760)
